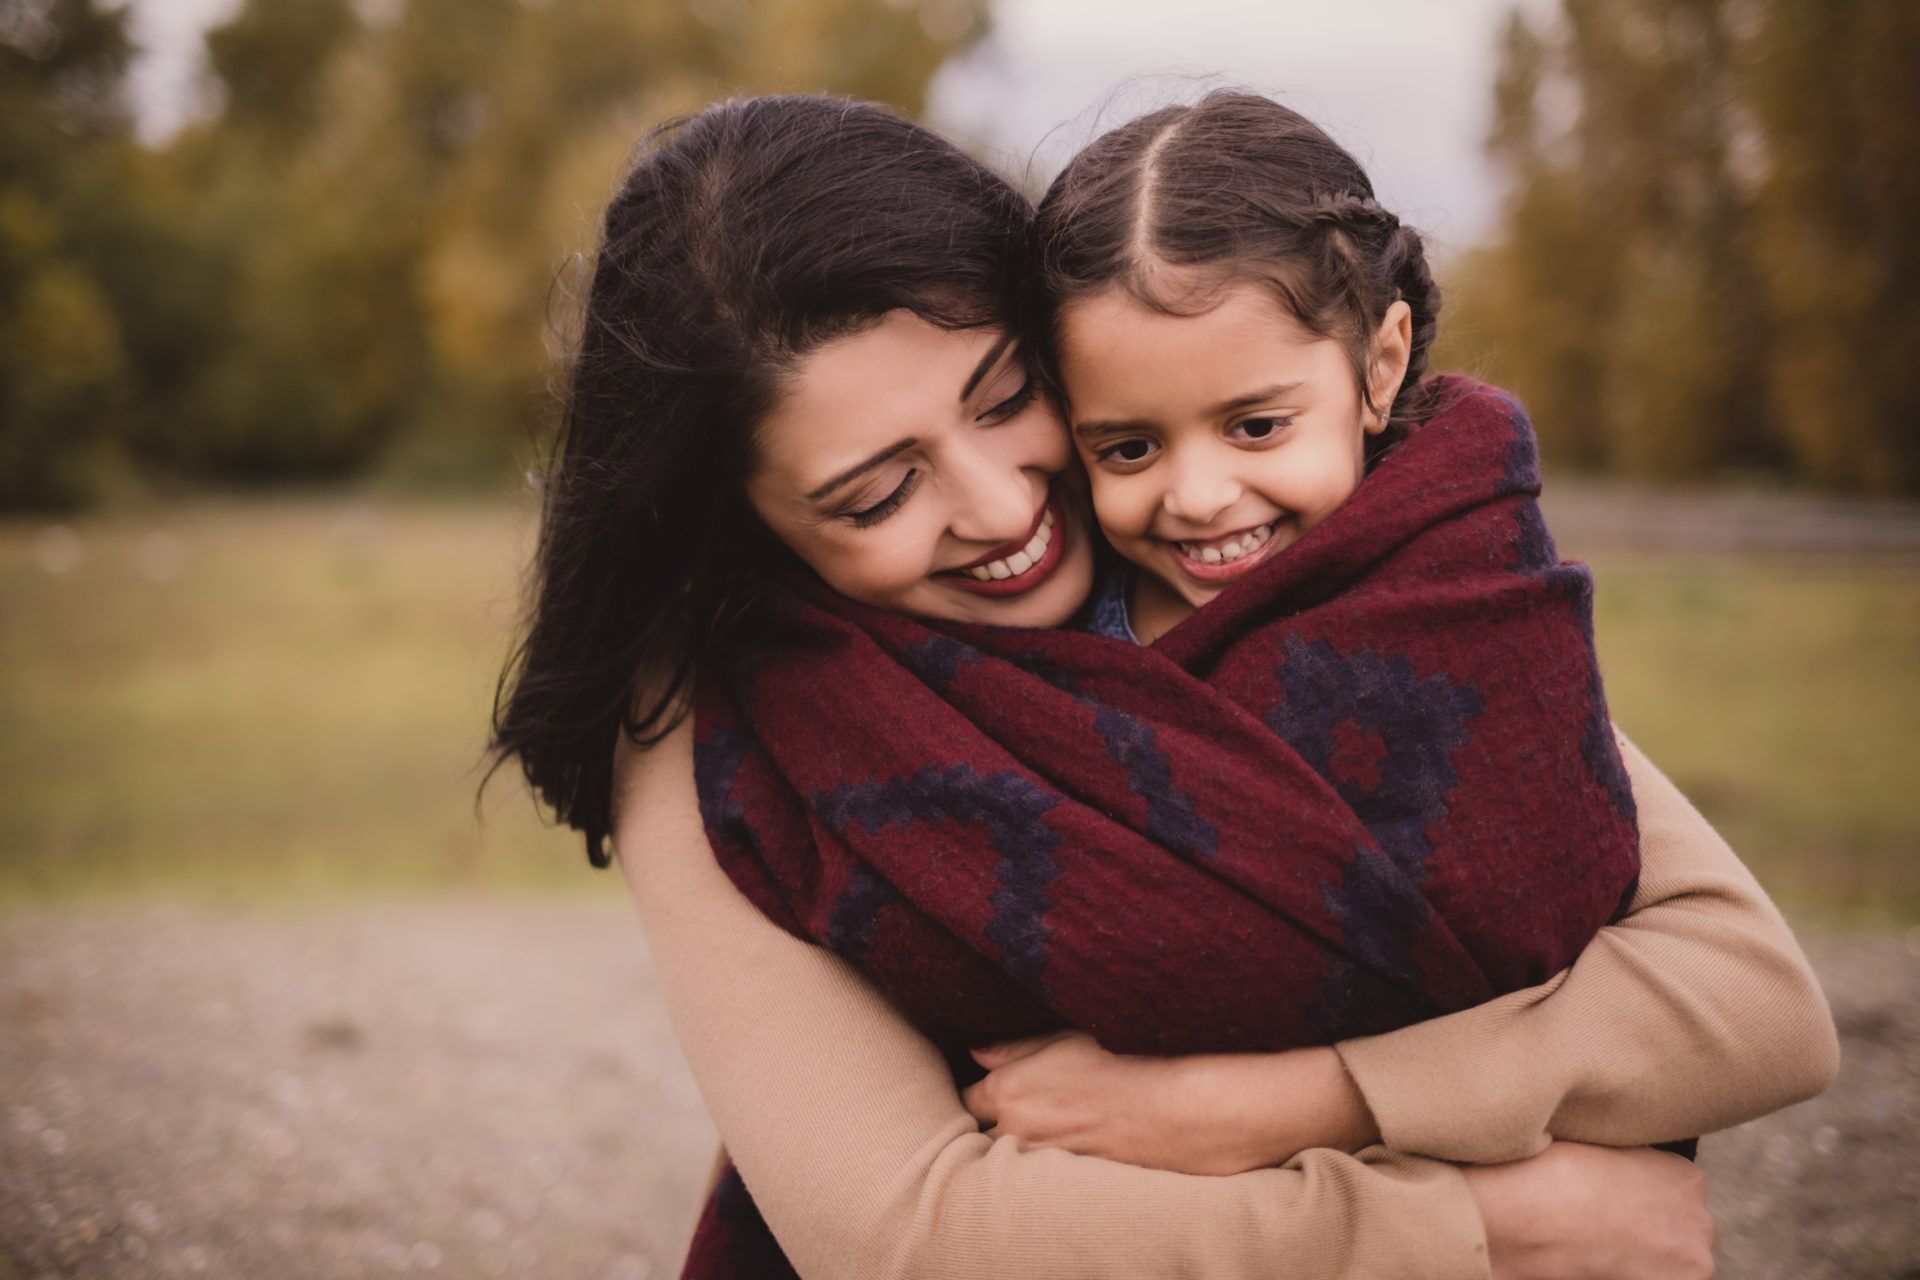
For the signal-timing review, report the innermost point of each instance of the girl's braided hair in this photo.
(1187, 199)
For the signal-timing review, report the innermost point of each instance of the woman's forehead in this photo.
(902, 377)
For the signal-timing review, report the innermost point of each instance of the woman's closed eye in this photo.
(867, 517)
(1012, 405)
(1259, 430)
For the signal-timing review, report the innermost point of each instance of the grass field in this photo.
(288, 700)
(281, 699)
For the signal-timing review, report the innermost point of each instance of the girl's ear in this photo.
(1392, 350)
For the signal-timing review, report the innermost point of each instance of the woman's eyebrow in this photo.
(986, 362)
(861, 468)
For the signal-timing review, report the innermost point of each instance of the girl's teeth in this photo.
(999, 569)
(1020, 562)
(981, 573)
(1249, 541)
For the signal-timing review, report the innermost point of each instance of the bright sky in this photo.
(1405, 83)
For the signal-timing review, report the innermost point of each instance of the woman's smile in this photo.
(1017, 567)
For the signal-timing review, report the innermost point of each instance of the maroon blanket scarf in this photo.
(1374, 781)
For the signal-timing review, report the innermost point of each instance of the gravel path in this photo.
(475, 1088)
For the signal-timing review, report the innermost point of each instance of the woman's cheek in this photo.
(1044, 438)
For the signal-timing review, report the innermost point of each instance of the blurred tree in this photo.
(65, 149)
(1835, 89)
(353, 263)
(1709, 219)
(402, 203)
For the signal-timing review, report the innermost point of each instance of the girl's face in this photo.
(1215, 439)
(916, 469)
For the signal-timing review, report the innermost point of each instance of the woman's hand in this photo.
(1576, 1212)
(1213, 1113)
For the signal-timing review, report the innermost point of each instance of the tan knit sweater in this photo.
(1696, 1012)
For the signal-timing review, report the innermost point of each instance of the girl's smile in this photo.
(1216, 560)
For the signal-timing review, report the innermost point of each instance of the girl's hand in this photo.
(1576, 1212)
(1216, 1113)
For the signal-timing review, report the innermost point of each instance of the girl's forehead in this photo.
(1114, 344)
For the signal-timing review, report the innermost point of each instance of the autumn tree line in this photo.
(358, 261)
(1708, 260)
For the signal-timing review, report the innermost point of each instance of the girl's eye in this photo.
(1126, 453)
(1012, 405)
(869, 516)
(1259, 429)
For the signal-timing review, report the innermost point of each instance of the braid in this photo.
(1350, 211)
(1365, 235)
(1413, 281)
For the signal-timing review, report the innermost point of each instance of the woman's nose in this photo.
(993, 500)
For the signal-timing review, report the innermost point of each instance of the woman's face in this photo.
(916, 469)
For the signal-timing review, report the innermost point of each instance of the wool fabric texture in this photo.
(1372, 782)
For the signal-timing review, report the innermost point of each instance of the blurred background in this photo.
(283, 284)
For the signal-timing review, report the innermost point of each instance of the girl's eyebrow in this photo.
(859, 469)
(1102, 426)
(1278, 391)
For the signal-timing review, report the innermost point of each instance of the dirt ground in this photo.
(475, 1088)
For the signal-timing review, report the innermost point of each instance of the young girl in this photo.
(1238, 332)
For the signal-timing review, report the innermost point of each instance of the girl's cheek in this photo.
(1122, 509)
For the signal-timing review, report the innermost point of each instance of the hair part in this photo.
(1185, 201)
(744, 238)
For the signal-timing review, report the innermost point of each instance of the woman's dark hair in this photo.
(745, 237)
(1234, 187)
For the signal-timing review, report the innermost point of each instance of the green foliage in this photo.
(1707, 254)
(358, 262)
(62, 358)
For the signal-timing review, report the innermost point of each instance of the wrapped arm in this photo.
(847, 1128)
(1696, 1012)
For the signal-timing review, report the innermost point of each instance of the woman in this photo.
(792, 364)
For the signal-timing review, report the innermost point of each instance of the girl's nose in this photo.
(1196, 492)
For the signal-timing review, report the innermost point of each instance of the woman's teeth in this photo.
(1232, 549)
(1023, 559)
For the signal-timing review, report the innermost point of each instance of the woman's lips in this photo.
(1011, 548)
(1214, 572)
(1018, 583)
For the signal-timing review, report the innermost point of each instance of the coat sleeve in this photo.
(1695, 1012)
(848, 1131)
